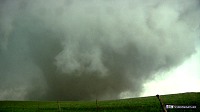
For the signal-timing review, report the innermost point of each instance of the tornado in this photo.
(91, 49)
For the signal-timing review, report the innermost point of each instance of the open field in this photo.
(126, 105)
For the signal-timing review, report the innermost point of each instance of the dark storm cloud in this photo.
(83, 50)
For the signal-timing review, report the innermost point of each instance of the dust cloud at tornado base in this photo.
(83, 50)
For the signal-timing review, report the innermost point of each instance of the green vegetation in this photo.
(126, 105)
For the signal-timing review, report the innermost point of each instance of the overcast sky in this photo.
(98, 49)
(184, 78)
(181, 79)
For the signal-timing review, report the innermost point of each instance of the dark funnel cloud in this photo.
(91, 49)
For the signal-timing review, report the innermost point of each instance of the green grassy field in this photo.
(142, 104)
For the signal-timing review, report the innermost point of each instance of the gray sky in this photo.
(83, 50)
